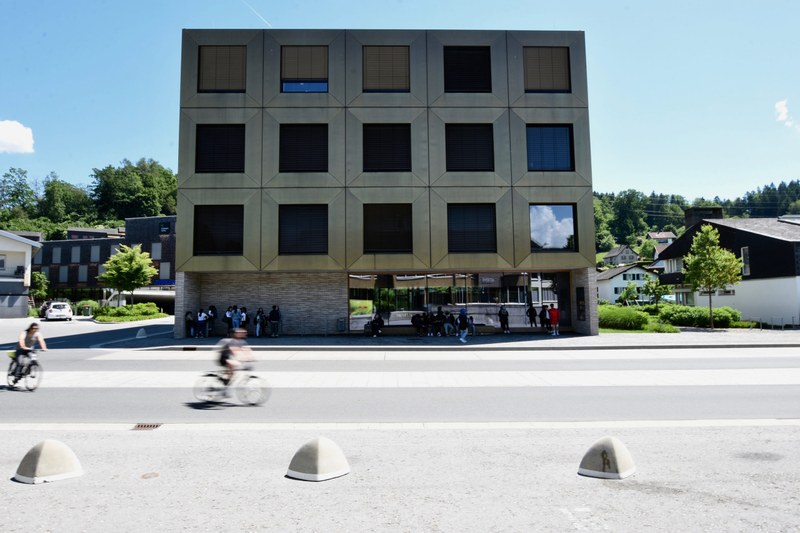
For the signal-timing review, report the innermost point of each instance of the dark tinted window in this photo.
(303, 148)
(218, 230)
(387, 228)
(469, 147)
(471, 228)
(219, 148)
(387, 147)
(467, 69)
(550, 148)
(303, 229)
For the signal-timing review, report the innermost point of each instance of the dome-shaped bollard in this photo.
(50, 460)
(319, 459)
(608, 458)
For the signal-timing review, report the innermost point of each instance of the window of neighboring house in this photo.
(75, 254)
(56, 255)
(471, 228)
(221, 69)
(386, 69)
(2, 262)
(94, 254)
(388, 229)
(155, 251)
(553, 227)
(387, 147)
(218, 230)
(63, 272)
(304, 69)
(303, 148)
(550, 147)
(469, 147)
(164, 270)
(467, 69)
(745, 260)
(83, 273)
(546, 69)
(45, 270)
(37, 256)
(726, 292)
(220, 148)
(303, 229)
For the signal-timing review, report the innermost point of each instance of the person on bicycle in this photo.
(233, 351)
(26, 344)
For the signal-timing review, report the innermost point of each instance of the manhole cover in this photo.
(144, 427)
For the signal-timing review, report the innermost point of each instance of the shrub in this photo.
(142, 309)
(615, 317)
(682, 315)
(660, 327)
(78, 307)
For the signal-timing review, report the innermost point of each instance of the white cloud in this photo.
(782, 115)
(15, 138)
(547, 230)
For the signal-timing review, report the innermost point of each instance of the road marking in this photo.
(406, 426)
(442, 379)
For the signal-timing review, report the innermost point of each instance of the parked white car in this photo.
(59, 311)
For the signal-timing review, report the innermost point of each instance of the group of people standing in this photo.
(442, 323)
(202, 324)
(549, 317)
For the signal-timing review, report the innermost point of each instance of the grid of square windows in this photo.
(218, 230)
(546, 69)
(303, 148)
(386, 69)
(469, 147)
(303, 229)
(467, 69)
(388, 229)
(387, 147)
(471, 228)
(550, 147)
(304, 69)
(219, 148)
(221, 69)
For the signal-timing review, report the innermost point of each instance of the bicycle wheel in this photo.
(253, 391)
(33, 376)
(209, 388)
(10, 379)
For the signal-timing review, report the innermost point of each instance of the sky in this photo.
(698, 98)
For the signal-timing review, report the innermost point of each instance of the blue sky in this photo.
(698, 98)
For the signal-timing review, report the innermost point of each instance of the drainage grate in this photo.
(143, 427)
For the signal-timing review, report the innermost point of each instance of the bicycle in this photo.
(31, 374)
(250, 389)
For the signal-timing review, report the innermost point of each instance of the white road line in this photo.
(405, 426)
(589, 378)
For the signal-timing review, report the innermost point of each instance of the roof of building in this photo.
(15, 237)
(661, 235)
(616, 271)
(783, 228)
(617, 250)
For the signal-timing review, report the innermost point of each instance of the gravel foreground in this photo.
(211, 479)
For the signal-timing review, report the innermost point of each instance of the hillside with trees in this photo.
(51, 205)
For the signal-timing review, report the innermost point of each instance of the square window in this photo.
(303, 229)
(467, 69)
(304, 69)
(387, 229)
(387, 147)
(386, 69)
(218, 230)
(471, 228)
(303, 148)
(553, 227)
(221, 69)
(219, 148)
(469, 147)
(546, 69)
(550, 148)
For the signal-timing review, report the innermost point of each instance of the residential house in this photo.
(612, 282)
(770, 250)
(16, 254)
(661, 237)
(621, 255)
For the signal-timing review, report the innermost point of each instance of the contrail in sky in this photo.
(257, 13)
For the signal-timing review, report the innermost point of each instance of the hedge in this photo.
(615, 317)
(682, 315)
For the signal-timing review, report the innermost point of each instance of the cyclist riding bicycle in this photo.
(26, 344)
(234, 351)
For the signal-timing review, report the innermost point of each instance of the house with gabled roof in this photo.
(16, 254)
(612, 282)
(621, 255)
(770, 250)
(662, 237)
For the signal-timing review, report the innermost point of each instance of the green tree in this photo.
(128, 269)
(629, 216)
(709, 267)
(16, 195)
(603, 215)
(39, 286)
(64, 202)
(140, 190)
(631, 292)
(648, 250)
(655, 290)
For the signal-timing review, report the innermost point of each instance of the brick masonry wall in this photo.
(586, 278)
(310, 303)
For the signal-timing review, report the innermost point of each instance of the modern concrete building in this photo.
(339, 173)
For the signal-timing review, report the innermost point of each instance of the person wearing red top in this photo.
(555, 316)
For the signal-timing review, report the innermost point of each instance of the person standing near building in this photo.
(544, 318)
(531, 314)
(188, 320)
(502, 314)
(212, 319)
(555, 316)
(463, 325)
(274, 321)
(202, 323)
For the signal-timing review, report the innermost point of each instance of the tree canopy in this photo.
(128, 269)
(709, 267)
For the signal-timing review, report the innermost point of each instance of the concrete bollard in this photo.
(608, 458)
(50, 460)
(319, 459)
